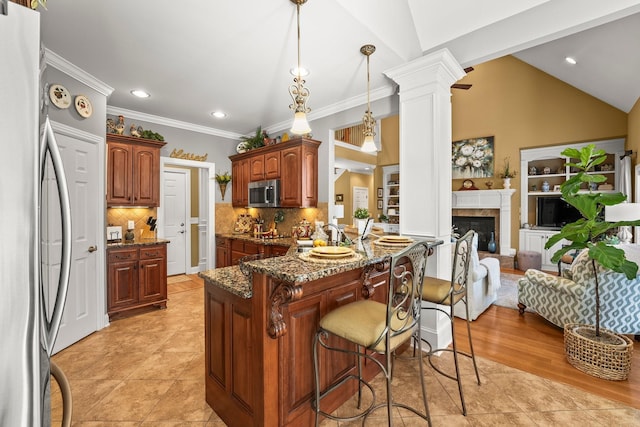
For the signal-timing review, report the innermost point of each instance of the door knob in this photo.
(92, 248)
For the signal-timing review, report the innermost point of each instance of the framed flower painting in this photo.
(472, 158)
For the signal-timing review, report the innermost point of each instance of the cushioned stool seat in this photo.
(529, 259)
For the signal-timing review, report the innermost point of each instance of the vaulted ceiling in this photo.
(199, 56)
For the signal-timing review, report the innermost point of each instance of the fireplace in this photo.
(483, 225)
(494, 205)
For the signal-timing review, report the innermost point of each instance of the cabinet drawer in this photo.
(119, 255)
(221, 242)
(150, 252)
(237, 245)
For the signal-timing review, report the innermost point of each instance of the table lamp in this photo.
(623, 212)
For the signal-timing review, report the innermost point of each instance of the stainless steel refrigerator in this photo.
(27, 327)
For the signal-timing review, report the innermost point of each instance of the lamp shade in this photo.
(622, 212)
(300, 125)
(338, 211)
(368, 146)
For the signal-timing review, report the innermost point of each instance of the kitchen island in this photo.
(259, 326)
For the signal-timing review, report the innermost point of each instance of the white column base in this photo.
(435, 328)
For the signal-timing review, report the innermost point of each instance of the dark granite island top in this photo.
(259, 329)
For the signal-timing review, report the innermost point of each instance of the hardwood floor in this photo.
(532, 344)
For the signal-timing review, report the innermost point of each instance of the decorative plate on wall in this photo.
(59, 96)
(83, 106)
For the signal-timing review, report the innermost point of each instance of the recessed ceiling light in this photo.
(219, 114)
(140, 93)
(303, 71)
(571, 60)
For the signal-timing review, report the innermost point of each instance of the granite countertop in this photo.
(278, 241)
(138, 242)
(293, 267)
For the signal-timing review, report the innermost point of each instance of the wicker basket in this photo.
(602, 360)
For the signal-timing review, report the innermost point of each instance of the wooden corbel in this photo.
(283, 293)
(365, 278)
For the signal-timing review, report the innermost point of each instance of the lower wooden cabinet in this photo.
(136, 277)
(230, 250)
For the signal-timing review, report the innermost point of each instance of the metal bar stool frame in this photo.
(401, 322)
(449, 294)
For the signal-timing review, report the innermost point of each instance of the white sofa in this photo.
(482, 284)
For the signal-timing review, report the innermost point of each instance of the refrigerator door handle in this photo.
(48, 143)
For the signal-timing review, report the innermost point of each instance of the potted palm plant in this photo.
(507, 174)
(587, 233)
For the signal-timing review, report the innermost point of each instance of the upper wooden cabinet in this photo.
(133, 171)
(264, 166)
(294, 162)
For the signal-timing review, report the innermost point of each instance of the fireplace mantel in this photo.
(489, 199)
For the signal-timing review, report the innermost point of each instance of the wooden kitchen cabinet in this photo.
(240, 183)
(133, 171)
(299, 174)
(294, 162)
(222, 252)
(136, 277)
(264, 166)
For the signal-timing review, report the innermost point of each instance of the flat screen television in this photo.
(554, 212)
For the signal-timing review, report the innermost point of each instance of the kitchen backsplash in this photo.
(121, 216)
(226, 217)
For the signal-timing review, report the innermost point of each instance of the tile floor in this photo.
(148, 370)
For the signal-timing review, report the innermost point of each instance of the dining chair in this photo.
(369, 327)
(443, 296)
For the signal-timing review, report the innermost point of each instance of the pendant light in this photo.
(368, 146)
(298, 92)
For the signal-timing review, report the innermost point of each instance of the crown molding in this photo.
(116, 111)
(53, 59)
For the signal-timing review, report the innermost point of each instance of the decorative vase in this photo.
(506, 183)
(545, 186)
(491, 246)
(223, 188)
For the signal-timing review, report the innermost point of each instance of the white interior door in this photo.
(81, 312)
(176, 184)
(360, 198)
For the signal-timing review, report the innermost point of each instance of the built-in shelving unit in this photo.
(391, 196)
(539, 165)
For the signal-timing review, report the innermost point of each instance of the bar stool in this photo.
(447, 293)
(374, 327)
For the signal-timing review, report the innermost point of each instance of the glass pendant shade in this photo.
(368, 146)
(300, 125)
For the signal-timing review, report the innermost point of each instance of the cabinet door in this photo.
(272, 165)
(221, 257)
(146, 175)
(256, 168)
(153, 279)
(119, 166)
(122, 284)
(240, 182)
(309, 171)
(291, 169)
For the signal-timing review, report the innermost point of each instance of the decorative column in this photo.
(425, 163)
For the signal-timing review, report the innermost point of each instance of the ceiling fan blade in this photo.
(460, 86)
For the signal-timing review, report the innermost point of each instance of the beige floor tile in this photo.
(131, 400)
(163, 365)
(184, 401)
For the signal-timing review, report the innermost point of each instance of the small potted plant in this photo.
(361, 215)
(223, 180)
(507, 174)
(255, 141)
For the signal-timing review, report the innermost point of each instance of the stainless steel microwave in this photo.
(264, 194)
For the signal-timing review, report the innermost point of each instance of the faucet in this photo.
(340, 233)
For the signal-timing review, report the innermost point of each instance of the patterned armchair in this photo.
(571, 298)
